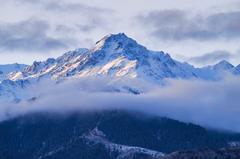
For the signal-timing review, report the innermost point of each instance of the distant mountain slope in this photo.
(13, 90)
(108, 135)
(117, 55)
(8, 68)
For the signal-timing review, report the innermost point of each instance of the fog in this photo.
(213, 104)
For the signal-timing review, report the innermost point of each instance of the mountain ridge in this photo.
(109, 134)
(117, 55)
(6, 69)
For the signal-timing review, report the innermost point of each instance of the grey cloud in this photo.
(30, 35)
(92, 24)
(95, 17)
(179, 25)
(196, 101)
(64, 6)
(211, 57)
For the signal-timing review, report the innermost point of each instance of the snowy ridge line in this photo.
(96, 136)
(115, 56)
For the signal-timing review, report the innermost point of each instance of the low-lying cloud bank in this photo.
(212, 104)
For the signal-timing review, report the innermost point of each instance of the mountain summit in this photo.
(121, 44)
(115, 55)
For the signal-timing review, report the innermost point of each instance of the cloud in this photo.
(95, 15)
(181, 25)
(211, 57)
(47, 26)
(213, 104)
(55, 5)
(29, 35)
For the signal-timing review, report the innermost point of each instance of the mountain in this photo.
(237, 70)
(9, 68)
(13, 90)
(107, 134)
(115, 56)
(119, 56)
(9, 88)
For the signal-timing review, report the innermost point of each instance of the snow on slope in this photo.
(117, 56)
(114, 56)
(8, 68)
(96, 136)
(13, 90)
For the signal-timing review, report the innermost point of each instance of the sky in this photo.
(199, 32)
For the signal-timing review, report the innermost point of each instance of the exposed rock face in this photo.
(115, 56)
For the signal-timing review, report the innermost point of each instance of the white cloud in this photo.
(208, 103)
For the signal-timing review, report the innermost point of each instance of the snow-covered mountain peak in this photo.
(223, 65)
(120, 45)
(238, 67)
(237, 70)
(5, 70)
(110, 39)
(117, 55)
(71, 54)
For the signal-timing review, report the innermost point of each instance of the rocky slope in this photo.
(116, 57)
(109, 135)
(5, 70)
